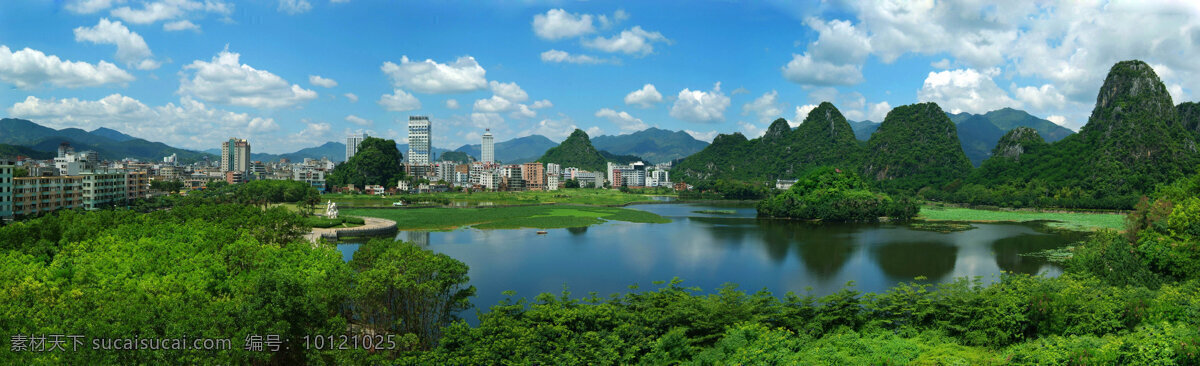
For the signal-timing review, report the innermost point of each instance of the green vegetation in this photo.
(12, 151)
(1007, 119)
(1189, 116)
(654, 144)
(620, 159)
(916, 146)
(978, 137)
(456, 156)
(830, 194)
(941, 227)
(377, 162)
(576, 151)
(1064, 220)
(581, 196)
(540, 217)
(325, 223)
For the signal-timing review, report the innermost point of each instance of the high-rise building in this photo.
(419, 149)
(535, 176)
(235, 155)
(6, 188)
(488, 150)
(352, 142)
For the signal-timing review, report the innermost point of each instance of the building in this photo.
(535, 176)
(235, 155)
(256, 171)
(446, 170)
(419, 139)
(68, 162)
(102, 190)
(36, 195)
(234, 177)
(552, 182)
(352, 142)
(632, 175)
(784, 184)
(137, 185)
(6, 188)
(658, 178)
(170, 159)
(313, 177)
(488, 149)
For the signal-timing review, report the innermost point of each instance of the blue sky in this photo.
(296, 73)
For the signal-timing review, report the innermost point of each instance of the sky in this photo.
(290, 74)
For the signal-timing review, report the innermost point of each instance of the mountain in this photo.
(456, 156)
(1189, 116)
(1007, 119)
(112, 134)
(824, 138)
(518, 150)
(12, 151)
(25, 133)
(916, 146)
(621, 159)
(1133, 141)
(335, 151)
(978, 137)
(654, 144)
(403, 148)
(1016, 142)
(864, 129)
(576, 151)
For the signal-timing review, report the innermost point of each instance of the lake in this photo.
(710, 249)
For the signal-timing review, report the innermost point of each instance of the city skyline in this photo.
(184, 72)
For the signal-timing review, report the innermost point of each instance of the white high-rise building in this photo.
(352, 142)
(419, 148)
(488, 150)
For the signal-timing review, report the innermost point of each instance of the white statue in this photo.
(331, 210)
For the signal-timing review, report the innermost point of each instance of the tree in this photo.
(377, 162)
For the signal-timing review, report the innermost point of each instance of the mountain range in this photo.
(515, 151)
(979, 133)
(653, 144)
(108, 143)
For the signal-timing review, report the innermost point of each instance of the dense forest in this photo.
(830, 194)
(377, 162)
(1135, 139)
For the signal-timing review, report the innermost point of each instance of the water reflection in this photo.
(707, 250)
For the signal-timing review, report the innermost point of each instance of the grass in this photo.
(539, 217)
(580, 196)
(1061, 220)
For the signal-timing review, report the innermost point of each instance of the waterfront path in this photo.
(371, 226)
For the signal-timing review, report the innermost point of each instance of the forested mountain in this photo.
(576, 151)
(978, 137)
(864, 129)
(377, 162)
(1007, 119)
(19, 132)
(654, 144)
(1016, 142)
(1189, 116)
(518, 150)
(916, 146)
(456, 156)
(825, 138)
(12, 151)
(1132, 141)
(112, 134)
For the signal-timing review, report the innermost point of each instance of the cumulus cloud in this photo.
(156, 11)
(634, 41)
(751, 130)
(701, 106)
(495, 104)
(558, 56)
(765, 107)
(645, 97)
(801, 114)
(878, 111)
(399, 101)
(462, 75)
(174, 124)
(1044, 97)
(964, 90)
(451, 104)
(623, 120)
(90, 6)
(29, 68)
(358, 120)
(703, 136)
(351, 97)
(835, 58)
(510, 91)
(542, 104)
(293, 7)
(180, 25)
(226, 80)
(322, 82)
(557, 24)
(1058, 120)
(131, 48)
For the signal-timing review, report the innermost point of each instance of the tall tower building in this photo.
(352, 142)
(235, 155)
(489, 148)
(419, 148)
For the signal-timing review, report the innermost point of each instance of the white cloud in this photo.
(495, 104)
(294, 7)
(463, 75)
(802, 114)
(173, 124)
(351, 97)
(634, 41)
(941, 64)
(751, 130)
(803, 69)
(1041, 98)
(1058, 120)
(878, 111)
(486, 120)
(522, 111)
(623, 120)
(703, 136)
(359, 120)
(510, 91)
(180, 25)
(542, 104)
(451, 104)
(131, 48)
(152, 12)
(226, 80)
(971, 31)
(557, 129)
(765, 107)
(563, 56)
(835, 58)
(557, 24)
(322, 82)
(645, 97)
(964, 90)
(399, 101)
(29, 68)
(90, 6)
(701, 106)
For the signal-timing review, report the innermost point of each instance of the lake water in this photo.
(708, 250)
